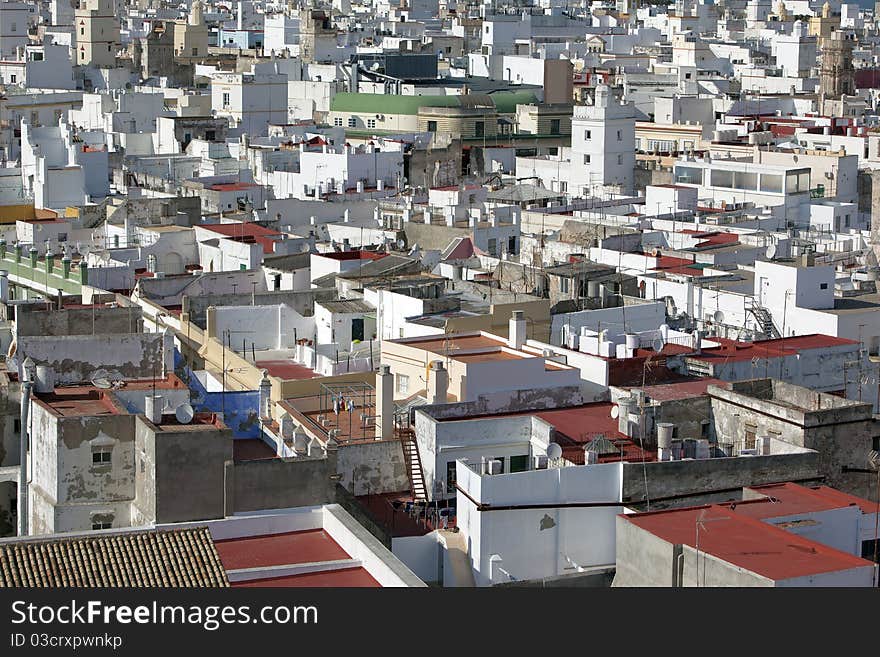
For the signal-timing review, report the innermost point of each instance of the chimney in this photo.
(265, 395)
(153, 405)
(211, 322)
(384, 402)
(516, 336)
(664, 441)
(438, 383)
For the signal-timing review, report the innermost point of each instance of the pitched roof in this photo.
(151, 558)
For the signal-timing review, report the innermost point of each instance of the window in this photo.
(823, 286)
(109, 47)
(337, 121)
(195, 51)
(402, 384)
(13, 78)
(687, 76)
(493, 247)
(82, 31)
(519, 463)
(432, 126)
(450, 476)
(101, 524)
(751, 429)
(620, 159)
(479, 128)
(210, 135)
(225, 99)
(242, 267)
(564, 285)
(689, 175)
(352, 122)
(554, 126)
(619, 136)
(588, 134)
(101, 456)
(16, 426)
(14, 27)
(586, 158)
(846, 220)
(371, 123)
(704, 429)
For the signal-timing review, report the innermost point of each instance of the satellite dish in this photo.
(657, 345)
(401, 243)
(771, 251)
(718, 316)
(615, 412)
(184, 413)
(554, 451)
(101, 382)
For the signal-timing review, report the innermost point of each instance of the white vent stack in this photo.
(493, 467)
(632, 341)
(517, 330)
(265, 395)
(45, 379)
(625, 405)
(153, 405)
(384, 402)
(664, 441)
(438, 383)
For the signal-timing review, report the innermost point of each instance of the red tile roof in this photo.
(746, 542)
(247, 232)
(732, 350)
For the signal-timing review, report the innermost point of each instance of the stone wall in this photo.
(373, 467)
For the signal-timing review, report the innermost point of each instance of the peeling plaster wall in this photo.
(374, 467)
(76, 321)
(76, 358)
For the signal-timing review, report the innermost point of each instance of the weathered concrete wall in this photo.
(190, 473)
(76, 321)
(276, 484)
(76, 358)
(374, 467)
(506, 402)
(644, 559)
(841, 431)
(690, 481)
(143, 507)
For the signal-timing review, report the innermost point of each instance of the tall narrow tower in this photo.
(97, 33)
(836, 76)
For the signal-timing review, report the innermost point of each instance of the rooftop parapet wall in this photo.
(791, 403)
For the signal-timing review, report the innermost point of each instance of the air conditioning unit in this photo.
(540, 462)
(493, 467)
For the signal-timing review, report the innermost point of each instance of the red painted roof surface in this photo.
(286, 369)
(452, 344)
(792, 498)
(731, 350)
(746, 542)
(680, 389)
(247, 232)
(353, 255)
(232, 187)
(309, 546)
(346, 577)
(251, 449)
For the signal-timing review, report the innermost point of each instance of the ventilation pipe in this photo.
(385, 402)
(664, 441)
(517, 330)
(438, 383)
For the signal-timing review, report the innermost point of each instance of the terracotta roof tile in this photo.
(153, 558)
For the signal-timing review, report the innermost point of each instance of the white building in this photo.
(251, 101)
(602, 146)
